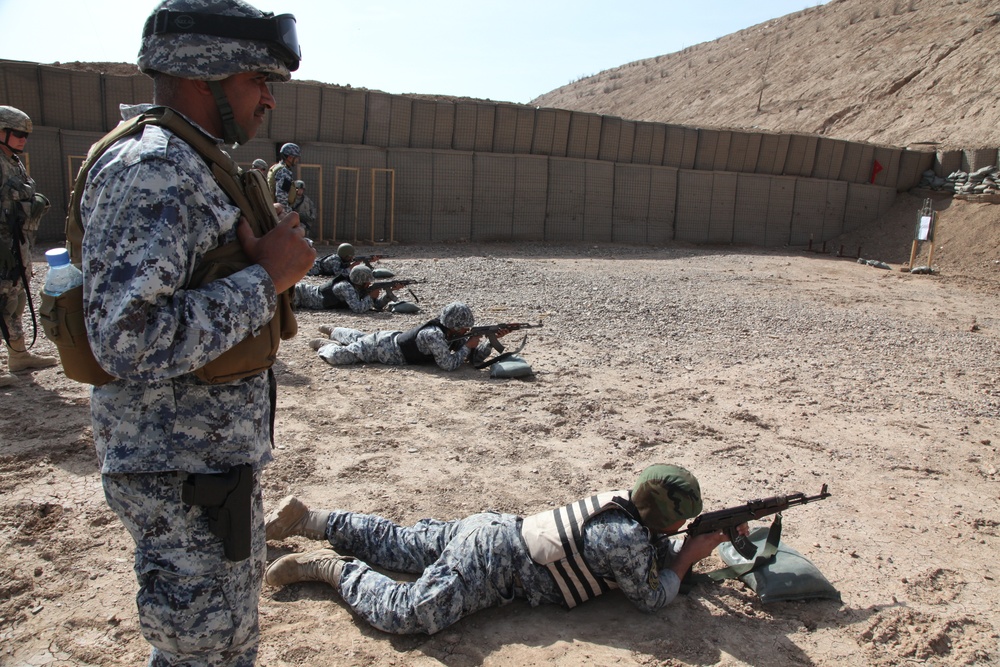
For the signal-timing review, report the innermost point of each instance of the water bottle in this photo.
(62, 275)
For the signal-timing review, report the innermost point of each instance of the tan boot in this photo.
(7, 380)
(317, 343)
(292, 517)
(320, 565)
(19, 359)
(326, 329)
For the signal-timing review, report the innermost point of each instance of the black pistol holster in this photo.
(226, 498)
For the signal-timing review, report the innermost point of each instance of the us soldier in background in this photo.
(152, 212)
(21, 209)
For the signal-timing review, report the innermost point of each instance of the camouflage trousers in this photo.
(196, 608)
(464, 566)
(12, 302)
(354, 347)
(308, 297)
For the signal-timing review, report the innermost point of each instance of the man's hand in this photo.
(697, 547)
(284, 252)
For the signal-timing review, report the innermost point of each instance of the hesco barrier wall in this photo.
(386, 167)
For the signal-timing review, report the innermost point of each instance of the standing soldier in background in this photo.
(176, 450)
(305, 207)
(260, 166)
(21, 209)
(280, 177)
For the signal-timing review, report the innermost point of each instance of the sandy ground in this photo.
(765, 372)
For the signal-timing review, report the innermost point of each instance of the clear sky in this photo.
(509, 51)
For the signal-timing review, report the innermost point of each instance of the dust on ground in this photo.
(765, 372)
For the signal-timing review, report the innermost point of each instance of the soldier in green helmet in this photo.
(616, 539)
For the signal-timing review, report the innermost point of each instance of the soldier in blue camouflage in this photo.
(488, 559)
(353, 294)
(280, 176)
(152, 210)
(431, 342)
(21, 209)
(338, 264)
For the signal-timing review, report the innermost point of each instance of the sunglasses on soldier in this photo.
(18, 133)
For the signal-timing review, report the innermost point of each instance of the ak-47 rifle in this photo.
(491, 331)
(729, 519)
(368, 259)
(389, 285)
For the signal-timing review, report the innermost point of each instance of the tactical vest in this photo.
(555, 539)
(332, 300)
(272, 181)
(407, 342)
(63, 317)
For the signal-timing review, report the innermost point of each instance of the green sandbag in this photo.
(513, 367)
(403, 307)
(790, 577)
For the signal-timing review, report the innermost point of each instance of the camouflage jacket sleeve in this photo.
(346, 291)
(151, 211)
(432, 341)
(619, 548)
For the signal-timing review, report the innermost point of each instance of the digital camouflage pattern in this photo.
(195, 607)
(330, 265)
(334, 295)
(207, 57)
(151, 210)
(351, 346)
(283, 179)
(479, 562)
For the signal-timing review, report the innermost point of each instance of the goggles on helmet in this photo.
(278, 32)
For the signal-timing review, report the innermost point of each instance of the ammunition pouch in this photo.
(64, 324)
(228, 501)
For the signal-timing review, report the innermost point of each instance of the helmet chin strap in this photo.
(6, 142)
(232, 133)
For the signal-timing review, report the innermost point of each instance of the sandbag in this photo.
(791, 576)
(512, 367)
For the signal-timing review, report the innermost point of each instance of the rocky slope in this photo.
(898, 72)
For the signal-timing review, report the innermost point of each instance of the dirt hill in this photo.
(898, 72)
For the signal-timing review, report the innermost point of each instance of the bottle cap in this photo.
(57, 257)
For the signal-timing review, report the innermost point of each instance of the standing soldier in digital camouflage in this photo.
(280, 178)
(616, 539)
(153, 212)
(21, 209)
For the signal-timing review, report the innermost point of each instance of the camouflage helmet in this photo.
(345, 251)
(259, 164)
(290, 150)
(190, 39)
(14, 119)
(300, 184)
(456, 315)
(666, 494)
(361, 275)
